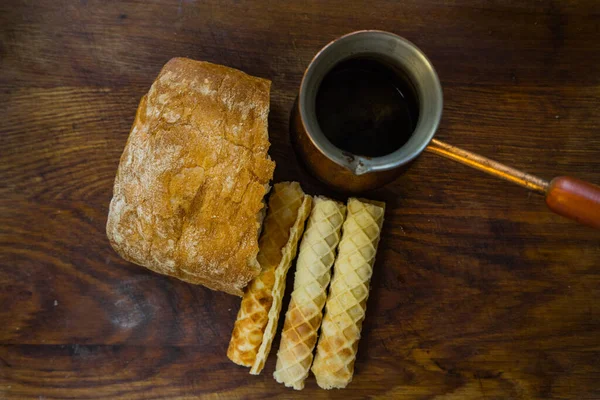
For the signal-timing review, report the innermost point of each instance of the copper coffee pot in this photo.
(567, 196)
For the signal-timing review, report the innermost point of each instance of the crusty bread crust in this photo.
(189, 189)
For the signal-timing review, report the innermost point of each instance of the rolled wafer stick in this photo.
(288, 254)
(283, 225)
(313, 272)
(347, 300)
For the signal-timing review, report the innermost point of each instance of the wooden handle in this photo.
(575, 199)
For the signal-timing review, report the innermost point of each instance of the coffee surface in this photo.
(366, 108)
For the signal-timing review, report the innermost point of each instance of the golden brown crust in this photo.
(190, 185)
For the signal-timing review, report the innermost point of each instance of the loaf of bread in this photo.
(188, 195)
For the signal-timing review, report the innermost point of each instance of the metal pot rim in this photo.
(398, 51)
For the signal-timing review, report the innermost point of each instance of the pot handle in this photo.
(566, 196)
(575, 199)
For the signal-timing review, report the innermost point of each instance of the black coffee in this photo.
(366, 108)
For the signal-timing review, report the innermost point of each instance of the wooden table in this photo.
(478, 290)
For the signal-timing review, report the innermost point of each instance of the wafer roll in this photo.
(288, 255)
(259, 310)
(313, 272)
(347, 300)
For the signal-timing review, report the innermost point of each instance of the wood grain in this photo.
(478, 290)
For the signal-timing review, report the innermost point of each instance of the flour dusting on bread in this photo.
(189, 189)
